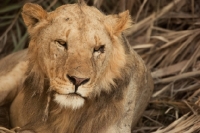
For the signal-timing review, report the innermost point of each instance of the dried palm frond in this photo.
(166, 35)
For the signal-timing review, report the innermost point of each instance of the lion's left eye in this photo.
(100, 49)
(62, 43)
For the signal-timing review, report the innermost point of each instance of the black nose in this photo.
(77, 81)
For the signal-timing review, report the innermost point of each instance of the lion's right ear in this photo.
(116, 24)
(33, 14)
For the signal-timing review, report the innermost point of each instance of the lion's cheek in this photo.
(100, 62)
(55, 65)
(56, 52)
(85, 91)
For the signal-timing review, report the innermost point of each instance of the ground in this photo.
(166, 35)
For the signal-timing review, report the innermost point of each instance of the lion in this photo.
(79, 74)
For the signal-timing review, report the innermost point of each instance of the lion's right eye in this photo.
(100, 49)
(62, 43)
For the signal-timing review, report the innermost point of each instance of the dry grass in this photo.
(168, 40)
(166, 35)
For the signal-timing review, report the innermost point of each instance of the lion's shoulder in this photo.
(12, 72)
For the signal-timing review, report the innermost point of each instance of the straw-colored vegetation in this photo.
(166, 34)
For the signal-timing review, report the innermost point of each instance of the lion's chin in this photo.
(69, 101)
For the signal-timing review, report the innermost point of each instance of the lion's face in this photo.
(78, 49)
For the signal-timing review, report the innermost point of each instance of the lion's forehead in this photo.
(78, 15)
(84, 24)
(77, 10)
(79, 26)
(72, 34)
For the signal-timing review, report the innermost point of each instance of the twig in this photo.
(149, 19)
(153, 120)
(98, 3)
(52, 4)
(161, 91)
(193, 57)
(178, 77)
(8, 29)
(189, 88)
(194, 112)
(140, 10)
(172, 125)
(169, 70)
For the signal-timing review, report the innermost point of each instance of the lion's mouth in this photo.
(70, 94)
(75, 95)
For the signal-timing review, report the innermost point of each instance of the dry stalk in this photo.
(4, 35)
(140, 10)
(178, 77)
(147, 21)
(170, 70)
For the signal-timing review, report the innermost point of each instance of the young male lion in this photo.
(79, 75)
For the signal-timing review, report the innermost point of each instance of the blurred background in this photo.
(166, 33)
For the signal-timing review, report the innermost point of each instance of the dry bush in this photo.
(166, 35)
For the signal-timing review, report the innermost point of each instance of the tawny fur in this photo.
(76, 41)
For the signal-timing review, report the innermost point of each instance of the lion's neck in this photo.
(91, 118)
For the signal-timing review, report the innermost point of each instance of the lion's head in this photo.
(77, 48)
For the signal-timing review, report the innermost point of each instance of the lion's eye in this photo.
(100, 49)
(62, 43)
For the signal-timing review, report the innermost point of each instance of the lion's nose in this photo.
(77, 81)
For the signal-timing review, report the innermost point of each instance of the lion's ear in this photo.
(33, 14)
(119, 23)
